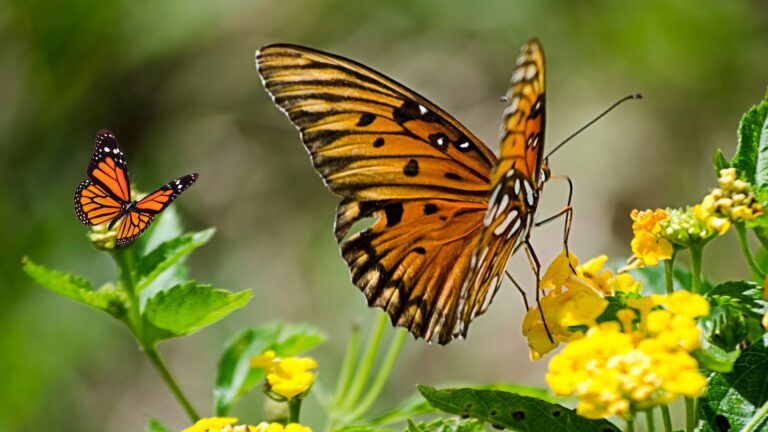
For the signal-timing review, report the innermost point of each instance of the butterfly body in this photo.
(105, 196)
(448, 212)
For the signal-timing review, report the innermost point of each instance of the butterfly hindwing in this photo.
(94, 205)
(132, 225)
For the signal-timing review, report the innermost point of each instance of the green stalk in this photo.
(650, 421)
(347, 367)
(381, 377)
(157, 361)
(690, 415)
(746, 251)
(757, 420)
(294, 410)
(667, 418)
(696, 253)
(631, 424)
(761, 236)
(369, 358)
(669, 273)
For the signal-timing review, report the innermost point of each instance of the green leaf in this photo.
(720, 162)
(737, 307)
(715, 359)
(750, 160)
(761, 176)
(415, 405)
(511, 411)
(167, 254)
(448, 425)
(155, 426)
(732, 398)
(235, 376)
(185, 309)
(76, 288)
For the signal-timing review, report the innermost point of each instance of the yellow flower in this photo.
(733, 201)
(616, 369)
(289, 377)
(649, 246)
(219, 424)
(278, 427)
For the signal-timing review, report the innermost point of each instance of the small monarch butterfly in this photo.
(105, 196)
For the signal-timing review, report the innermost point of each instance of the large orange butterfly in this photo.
(105, 196)
(449, 212)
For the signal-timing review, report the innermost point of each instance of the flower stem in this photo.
(669, 273)
(294, 410)
(364, 369)
(650, 421)
(696, 253)
(667, 418)
(690, 414)
(381, 377)
(631, 424)
(157, 361)
(757, 420)
(744, 244)
(347, 367)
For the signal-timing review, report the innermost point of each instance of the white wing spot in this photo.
(464, 145)
(514, 229)
(423, 110)
(505, 223)
(518, 75)
(106, 149)
(530, 72)
(511, 172)
(517, 186)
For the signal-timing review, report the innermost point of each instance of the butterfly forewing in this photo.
(108, 167)
(515, 184)
(94, 205)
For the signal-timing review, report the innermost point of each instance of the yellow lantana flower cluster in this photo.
(620, 367)
(733, 201)
(226, 424)
(287, 377)
(649, 246)
(572, 300)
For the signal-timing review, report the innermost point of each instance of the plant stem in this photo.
(650, 421)
(696, 252)
(690, 414)
(157, 361)
(365, 366)
(667, 418)
(347, 367)
(757, 420)
(294, 410)
(124, 260)
(381, 377)
(761, 236)
(744, 244)
(669, 273)
(631, 425)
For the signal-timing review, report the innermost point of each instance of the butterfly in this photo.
(105, 196)
(448, 212)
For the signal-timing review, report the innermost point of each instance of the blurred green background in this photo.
(175, 80)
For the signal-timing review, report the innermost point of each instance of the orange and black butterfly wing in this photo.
(138, 219)
(395, 156)
(515, 183)
(94, 205)
(108, 167)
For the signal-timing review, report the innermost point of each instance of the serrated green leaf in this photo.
(155, 426)
(720, 162)
(167, 254)
(732, 399)
(745, 296)
(235, 377)
(447, 425)
(185, 309)
(716, 359)
(512, 411)
(73, 287)
(761, 176)
(748, 151)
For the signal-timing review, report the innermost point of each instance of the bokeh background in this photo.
(175, 80)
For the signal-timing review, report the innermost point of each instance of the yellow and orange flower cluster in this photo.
(227, 424)
(573, 300)
(620, 367)
(649, 246)
(288, 377)
(732, 202)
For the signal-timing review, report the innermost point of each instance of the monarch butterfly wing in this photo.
(143, 212)
(395, 156)
(514, 184)
(108, 167)
(94, 205)
(158, 200)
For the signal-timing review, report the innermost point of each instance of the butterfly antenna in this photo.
(573, 135)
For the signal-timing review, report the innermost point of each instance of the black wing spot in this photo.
(463, 144)
(443, 218)
(366, 119)
(430, 209)
(394, 213)
(378, 142)
(438, 139)
(419, 250)
(453, 176)
(411, 169)
(537, 107)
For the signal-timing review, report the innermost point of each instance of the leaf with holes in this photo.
(750, 158)
(733, 398)
(512, 411)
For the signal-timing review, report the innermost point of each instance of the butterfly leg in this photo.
(519, 288)
(533, 260)
(567, 211)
